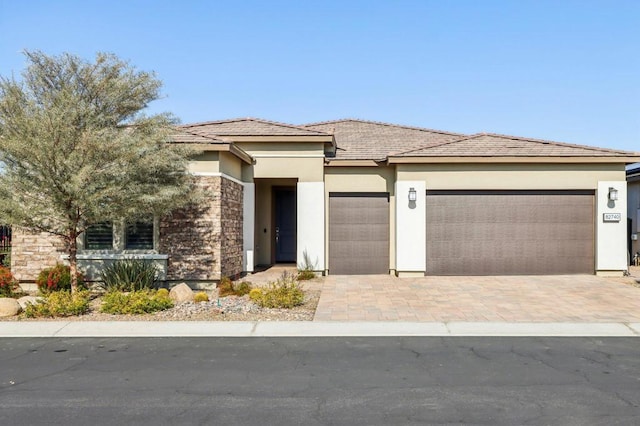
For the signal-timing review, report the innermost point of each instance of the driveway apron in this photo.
(567, 298)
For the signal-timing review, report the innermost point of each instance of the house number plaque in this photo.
(612, 217)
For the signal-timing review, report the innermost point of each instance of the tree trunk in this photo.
(73, 261)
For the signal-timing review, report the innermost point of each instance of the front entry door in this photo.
(285, 224)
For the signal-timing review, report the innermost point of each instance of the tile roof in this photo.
(372, 140)
(249, 127)
(495, 145)
(184, 136)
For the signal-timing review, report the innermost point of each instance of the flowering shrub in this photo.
(57, 278)
(8, 284)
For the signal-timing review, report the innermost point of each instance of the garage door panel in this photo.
(510, 233)
(358, 234)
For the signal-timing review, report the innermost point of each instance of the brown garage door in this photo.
(358, 233)
(510, 232)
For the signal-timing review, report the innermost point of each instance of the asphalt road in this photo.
(320, 381)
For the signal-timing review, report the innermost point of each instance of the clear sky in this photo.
(560, 69)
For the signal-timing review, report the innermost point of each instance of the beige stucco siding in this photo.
(217, 162)
(282, 148)
(511, 176)
(304, 169)
(230, 165)
(362, 179)
(207, 162)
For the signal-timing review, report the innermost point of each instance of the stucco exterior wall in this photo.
(511, 176)
(31, 252)
(207, 162)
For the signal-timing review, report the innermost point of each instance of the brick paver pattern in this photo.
(572, 298)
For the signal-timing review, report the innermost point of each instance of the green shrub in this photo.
(227, 288)
(6, 260)
(137, 302)
(306, 274)
(286, 292)
(255, 294)
(200, 297)
(242, 288)
(162, 292)
(306, 268)
(57, 278)
(8, 284)
(129, 275)
(59, 304)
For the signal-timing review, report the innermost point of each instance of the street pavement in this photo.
(320, 381)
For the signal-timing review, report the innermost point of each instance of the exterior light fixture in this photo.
(413, 195)
(613, 194)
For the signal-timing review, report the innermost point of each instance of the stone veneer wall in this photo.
(31, 252)
(231, 219)
(204, 243)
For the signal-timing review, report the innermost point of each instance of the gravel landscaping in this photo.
(229, 308)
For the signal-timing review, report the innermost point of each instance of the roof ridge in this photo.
(258, 120)
(382, 123)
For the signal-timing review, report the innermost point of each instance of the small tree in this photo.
(75, 148)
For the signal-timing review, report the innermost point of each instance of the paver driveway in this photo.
(572, 298)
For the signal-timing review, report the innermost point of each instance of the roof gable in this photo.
(249, 127)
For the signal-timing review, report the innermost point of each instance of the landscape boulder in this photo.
(181, 293)
(9, 307)
(28, 300)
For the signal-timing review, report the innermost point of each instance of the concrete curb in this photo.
(310, 329)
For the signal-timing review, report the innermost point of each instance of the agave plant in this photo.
(129, 275)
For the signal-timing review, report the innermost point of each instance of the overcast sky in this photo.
(560, 70)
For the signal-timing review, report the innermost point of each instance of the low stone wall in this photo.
(31, 252)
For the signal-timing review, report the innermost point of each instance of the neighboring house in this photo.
(633, 209)
(361, 197)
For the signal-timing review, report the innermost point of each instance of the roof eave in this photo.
(223, 147)
(512, 159)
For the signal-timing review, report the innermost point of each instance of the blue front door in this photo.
(285, 224)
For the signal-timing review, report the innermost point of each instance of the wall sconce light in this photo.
(613, 194)
(413, 195)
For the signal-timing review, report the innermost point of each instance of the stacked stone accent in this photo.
(231, 237)
(204, 243)
(31, 252)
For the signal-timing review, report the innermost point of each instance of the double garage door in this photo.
(510, 232)
(471, 233)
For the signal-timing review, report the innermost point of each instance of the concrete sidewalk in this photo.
(310, 329)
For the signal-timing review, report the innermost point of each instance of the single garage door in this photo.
(358, 233)
(510, 232)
